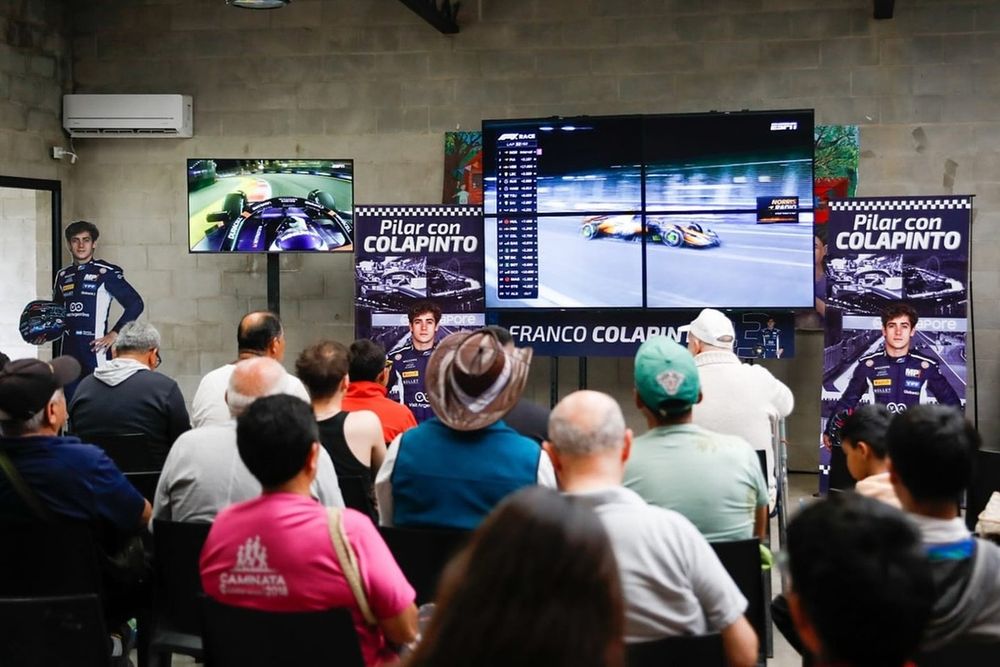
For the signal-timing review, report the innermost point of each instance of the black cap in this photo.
(26, 385)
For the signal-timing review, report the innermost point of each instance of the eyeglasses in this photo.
(158, 361)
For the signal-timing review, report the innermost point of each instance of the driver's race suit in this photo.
(86, 291)
(409, 368)
(771, 340)
(896, 382)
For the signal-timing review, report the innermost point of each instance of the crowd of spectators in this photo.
(584, 541)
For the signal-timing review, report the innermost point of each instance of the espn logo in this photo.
(787, 125)
(513, 136)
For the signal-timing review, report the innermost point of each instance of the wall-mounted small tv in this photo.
(270, 205)
(665, 211)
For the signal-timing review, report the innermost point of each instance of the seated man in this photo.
(368, 389)
(353, 439)
(932, 451)
(286, 534)
(127, 396)
(739, 399)
(204, 474)
(863, 439)
(861, 589)
(64, 476)
(259, 334)
(452, 469)
(673, 582)
(713, 479)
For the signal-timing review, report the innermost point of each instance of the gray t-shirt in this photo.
(672, 580)
(204, 474)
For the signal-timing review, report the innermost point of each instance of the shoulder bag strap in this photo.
(29, 497)
(348, 562)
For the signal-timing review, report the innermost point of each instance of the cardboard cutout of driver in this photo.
(85, 289)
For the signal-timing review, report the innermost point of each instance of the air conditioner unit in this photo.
(127, 115)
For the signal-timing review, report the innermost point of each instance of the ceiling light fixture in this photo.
(258, 4)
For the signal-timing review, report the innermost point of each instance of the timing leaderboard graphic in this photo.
(517, 237)
(649, 211)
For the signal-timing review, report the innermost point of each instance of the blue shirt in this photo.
(73, 479)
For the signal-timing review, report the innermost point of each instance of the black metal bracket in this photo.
(441, 14)
(883, 9)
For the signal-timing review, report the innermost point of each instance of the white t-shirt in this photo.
(209, 404)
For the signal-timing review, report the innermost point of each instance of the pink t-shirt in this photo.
(274, 553)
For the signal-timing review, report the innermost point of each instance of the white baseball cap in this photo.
(712, 327)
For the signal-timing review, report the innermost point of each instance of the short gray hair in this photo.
(585, 423)
(137, 337)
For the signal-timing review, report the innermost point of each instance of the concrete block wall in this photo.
(369, 80)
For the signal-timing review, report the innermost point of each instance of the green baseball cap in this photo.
(666, 377)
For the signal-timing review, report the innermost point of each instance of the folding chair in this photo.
(686, 651)
(422, 554)
(64, 631)
(239, 637)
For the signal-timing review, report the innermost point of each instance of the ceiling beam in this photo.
(439, 13)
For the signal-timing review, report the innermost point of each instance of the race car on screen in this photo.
(261, 223)
(658, 230)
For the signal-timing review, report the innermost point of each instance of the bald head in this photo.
(260, 334)
(251, 379)
(587, 423)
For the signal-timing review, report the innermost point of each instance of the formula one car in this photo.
(278, 224)
(658, 230)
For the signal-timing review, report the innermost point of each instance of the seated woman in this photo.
(353, 439)
(537, 585)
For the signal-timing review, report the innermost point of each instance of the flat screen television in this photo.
(667, 211)
(270, 205)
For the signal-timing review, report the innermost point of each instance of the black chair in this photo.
(962, 654)
(66, 631)
(687, 651)
(742, 561)
(144, 482)
(177, 590)
(49, 559)
(840, 476)
(129, 451)
(239, 637)
(985, 480)
(422, 554)
(355, 491)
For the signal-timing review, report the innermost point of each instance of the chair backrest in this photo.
(239, 637)
(144, 482)
(985, 480)
(129, 451)
(742, 561)
(687, 651)
(355, 491)
(986, 654)
(65, 631)
(840, 476)
(39, 559)
(177, 581)
(422, 554)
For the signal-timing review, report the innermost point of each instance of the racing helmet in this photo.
(295, 233)
(42, 322)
